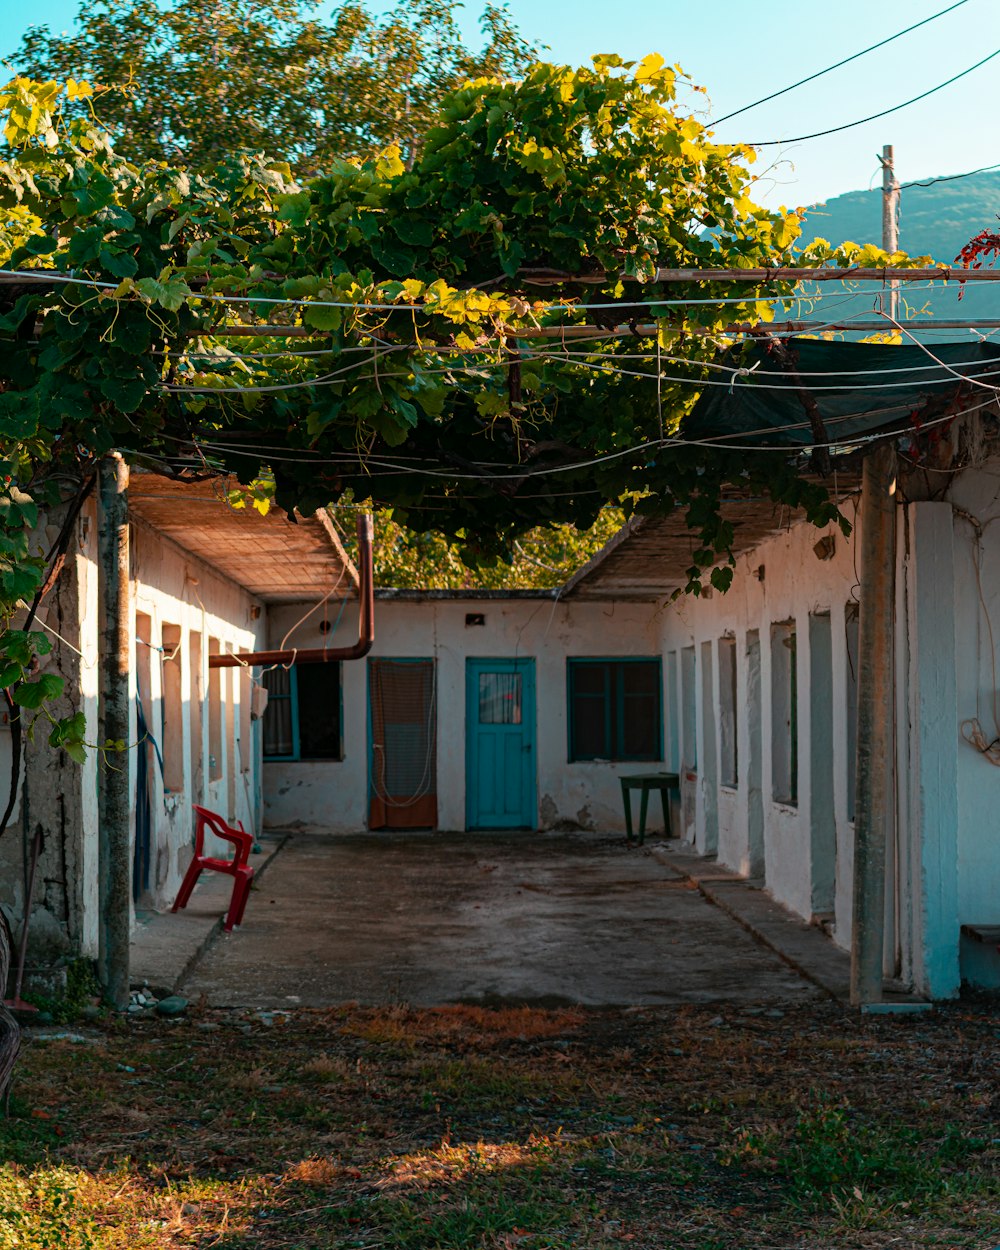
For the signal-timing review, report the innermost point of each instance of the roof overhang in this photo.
(275, 559)
(647, 560)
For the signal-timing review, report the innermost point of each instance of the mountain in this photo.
(935, 221)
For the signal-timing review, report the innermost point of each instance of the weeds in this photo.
(82, 989)
(472, 1130)
(830, 1156)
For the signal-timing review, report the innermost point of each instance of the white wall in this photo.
(780, 581)
(332, 796)
(175, 589)
(975, 496)
(943, 867)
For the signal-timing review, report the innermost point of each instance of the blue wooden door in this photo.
(500, 744)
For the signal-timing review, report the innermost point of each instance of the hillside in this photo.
(937, 221)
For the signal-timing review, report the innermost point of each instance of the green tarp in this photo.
(859, 389)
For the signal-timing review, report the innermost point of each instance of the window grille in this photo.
(615, 709)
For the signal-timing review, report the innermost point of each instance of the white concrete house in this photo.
(203, 577)
(522, 710)
(475, 710)
(761, 692)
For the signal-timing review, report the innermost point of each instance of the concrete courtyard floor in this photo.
(527, 918)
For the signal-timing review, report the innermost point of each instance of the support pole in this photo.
(890, 220)
(113, 791)
(875, 722)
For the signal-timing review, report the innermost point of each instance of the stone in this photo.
(173, 1005)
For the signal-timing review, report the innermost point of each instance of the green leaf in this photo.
(119, 264)
(415, 230)
(10, 673)
(41, 245)
(11, 322)
(170, 294)
(393, 258)
(322, 318)
(32, 694)
(20, 582)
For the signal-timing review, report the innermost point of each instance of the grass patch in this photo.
(516, 1130)
(828, 1152)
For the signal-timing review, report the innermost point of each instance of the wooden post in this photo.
(875, 722)
(114, 842)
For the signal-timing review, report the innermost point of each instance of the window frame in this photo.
(614, 690)
(293, 697)
(729, 712)
(785, 714)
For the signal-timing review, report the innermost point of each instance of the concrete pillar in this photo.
(934, 745)
(114, 828)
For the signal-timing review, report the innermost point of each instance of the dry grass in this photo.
(465, 1127)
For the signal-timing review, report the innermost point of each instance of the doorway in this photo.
(402, 756)
(755, 753)
(500, 744)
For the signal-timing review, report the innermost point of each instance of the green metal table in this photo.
(644, 782)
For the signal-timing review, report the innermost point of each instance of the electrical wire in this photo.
(602, 366)
(715, 441)
(932, 182)
(833, 130)
(537, 306)
(846, 61)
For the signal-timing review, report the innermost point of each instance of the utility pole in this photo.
(873, 800)
(113, 769)
(890, 220)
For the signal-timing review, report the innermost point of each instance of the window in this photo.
(673, 715)
(689, 735)
(197, 717)
(853, 660)
(784, 715)
(302, 720)
(172, 734)
(614, 709)
(214, 715)
(499, 698)
(244, 748)
(729, 773)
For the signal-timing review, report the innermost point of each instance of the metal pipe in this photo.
(313, 655)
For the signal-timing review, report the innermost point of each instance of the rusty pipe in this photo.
(312, 655)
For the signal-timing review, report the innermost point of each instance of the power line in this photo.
(983, 169)
(830, 68)
(773, 274)
(833, 130)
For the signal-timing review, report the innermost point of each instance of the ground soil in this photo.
(688, 1127)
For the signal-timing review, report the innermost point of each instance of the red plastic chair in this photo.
(237, 867)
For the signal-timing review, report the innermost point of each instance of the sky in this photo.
(741, 52)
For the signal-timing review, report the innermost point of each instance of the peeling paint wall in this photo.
(182, 599)
(58, 798)
(332, 796)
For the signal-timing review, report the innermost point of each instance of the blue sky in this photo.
(742, 51)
